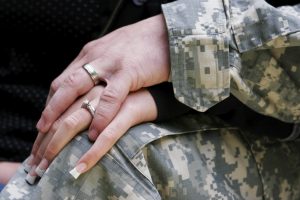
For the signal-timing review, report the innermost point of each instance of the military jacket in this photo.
(247, 48)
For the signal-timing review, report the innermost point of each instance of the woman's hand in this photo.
(127, 59)
(67, 126)
(138, 107)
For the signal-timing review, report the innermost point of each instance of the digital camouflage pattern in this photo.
(199, 48)
(193, 157)
(248, 48)
(244, 47)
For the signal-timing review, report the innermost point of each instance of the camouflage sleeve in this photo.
(247, 48)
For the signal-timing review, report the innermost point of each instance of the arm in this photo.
(214, 51)
(155, 103)
(248, 49)
(167, 105)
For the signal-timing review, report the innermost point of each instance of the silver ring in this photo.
(86, 105)
(92, 73)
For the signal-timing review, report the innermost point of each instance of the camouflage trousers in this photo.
(193, 157)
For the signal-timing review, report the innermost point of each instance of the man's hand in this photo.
(126, 60)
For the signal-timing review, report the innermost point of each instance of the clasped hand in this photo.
(126, 60)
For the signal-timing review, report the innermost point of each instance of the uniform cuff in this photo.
(199, 52)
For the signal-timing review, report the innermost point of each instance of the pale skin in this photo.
(138, 107)
(127, 60)
(9, 168)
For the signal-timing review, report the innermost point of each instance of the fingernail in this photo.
(79, 169)
(28, 163)
(40, 170)
(30, 178)
(93, 135)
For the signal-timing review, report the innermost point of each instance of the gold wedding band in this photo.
(92, 73)
(86, 105)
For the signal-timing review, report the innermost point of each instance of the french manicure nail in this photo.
(28, 163)
(79, 169)
(30, 178)
(40, 170)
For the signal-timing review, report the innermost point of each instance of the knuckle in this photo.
(39, 155)
(70, 122)
(71, 80)
(110, 95)
(54, 85)
(109, 136)
(110, 101)
(50, 152)
(93, 53)
(47, 112)
(55, 126)
(103, 114)
(90, 155)
(87, 47)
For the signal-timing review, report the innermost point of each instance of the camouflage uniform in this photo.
(193, 157)
(246, 48)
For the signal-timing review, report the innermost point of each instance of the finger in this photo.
(78, 62)
(30, 160)
(110, 101)
(41, 136)
(71, 123)
(58, 82)
(32, 175)
(69, 128)
(75, 85)
(28, 163)
(37, 145)
(130, 114)
(40, 151)
(64, 119)
(103, 143)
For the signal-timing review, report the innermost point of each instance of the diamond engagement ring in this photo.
(86, 105)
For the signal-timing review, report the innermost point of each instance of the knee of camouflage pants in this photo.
(193, 157)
